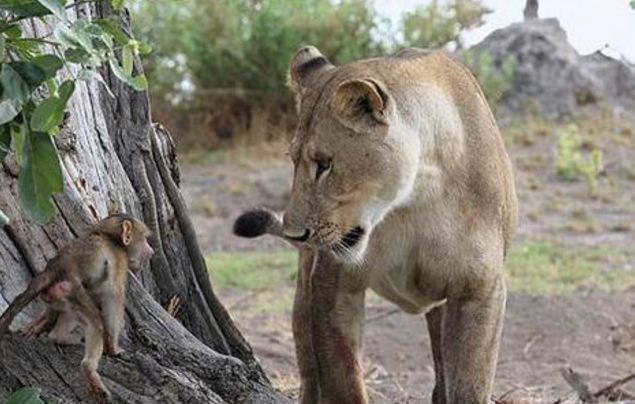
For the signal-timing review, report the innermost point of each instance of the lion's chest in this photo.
(400, 276)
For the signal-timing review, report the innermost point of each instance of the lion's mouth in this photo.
(350, 239)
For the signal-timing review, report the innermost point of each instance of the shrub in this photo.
(495, 80)
(572, 163)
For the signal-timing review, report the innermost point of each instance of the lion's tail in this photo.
(257, 222)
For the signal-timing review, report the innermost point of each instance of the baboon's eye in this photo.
(322, 166)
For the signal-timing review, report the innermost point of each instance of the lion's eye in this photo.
(322, 167)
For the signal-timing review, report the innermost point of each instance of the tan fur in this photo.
(413, 157)
(94, 268)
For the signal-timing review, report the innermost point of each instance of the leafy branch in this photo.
(34, 93)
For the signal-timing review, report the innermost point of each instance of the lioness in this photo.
(402, 184)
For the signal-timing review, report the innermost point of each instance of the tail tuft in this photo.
(254, 223)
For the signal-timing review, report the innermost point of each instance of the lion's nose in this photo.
(295, 233)
(302, 238)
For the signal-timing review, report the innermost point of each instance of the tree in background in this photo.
(228, 45)
(531, 10)
(437, 25)
(215, 59)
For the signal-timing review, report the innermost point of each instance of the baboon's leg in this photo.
(94, 338)
(309, 388)
(471, 336)
(62, 332)
(434, 318)
(112, 309)
(337, 319)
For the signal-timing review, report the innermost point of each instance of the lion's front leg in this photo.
(302, 331)
(337, 322)
(471, 336)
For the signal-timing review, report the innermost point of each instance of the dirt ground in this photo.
(591, 331)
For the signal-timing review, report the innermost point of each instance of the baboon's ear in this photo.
(126, 232)
(305, 65)
(361, 102)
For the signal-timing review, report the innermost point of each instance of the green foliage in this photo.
(591, 168)
(25, 395)
(436, 25)
(495, 80)
(572, 162)
(48, 115)
(32, 100)
(227, 45)
(41, 176)
(567, 155)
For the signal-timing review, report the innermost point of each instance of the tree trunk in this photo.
(115, 160)
(531, 10)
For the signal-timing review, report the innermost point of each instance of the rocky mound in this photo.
(551, 78)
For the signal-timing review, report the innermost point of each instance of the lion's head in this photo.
(354, 159)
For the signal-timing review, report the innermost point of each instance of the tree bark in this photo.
(115, 160)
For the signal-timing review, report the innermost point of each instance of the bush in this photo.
(495, 81)
(572, 163)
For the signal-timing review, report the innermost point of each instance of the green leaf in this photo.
(49, 114)
(144, 48)
(4, 220)
(74, 36)
(80, 29)
(5, 141)
(27, 47)
(93, 75)
(24, 8)
(32, 74)
(3, 49)
(51, 85)
(127, 59)
(77, 55)
(40, 177)
(17, 140)
(15, 87)
(9, 109)
(117, 4)
(114, 29)
(633, 3)
(26, 395)
(57, 7)
(50, 64)
(66, 36)
(138, 82)
(100, 38)
(12, 31)
(4, 25)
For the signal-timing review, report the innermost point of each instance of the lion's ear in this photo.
(360, 100)
(305, 65)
